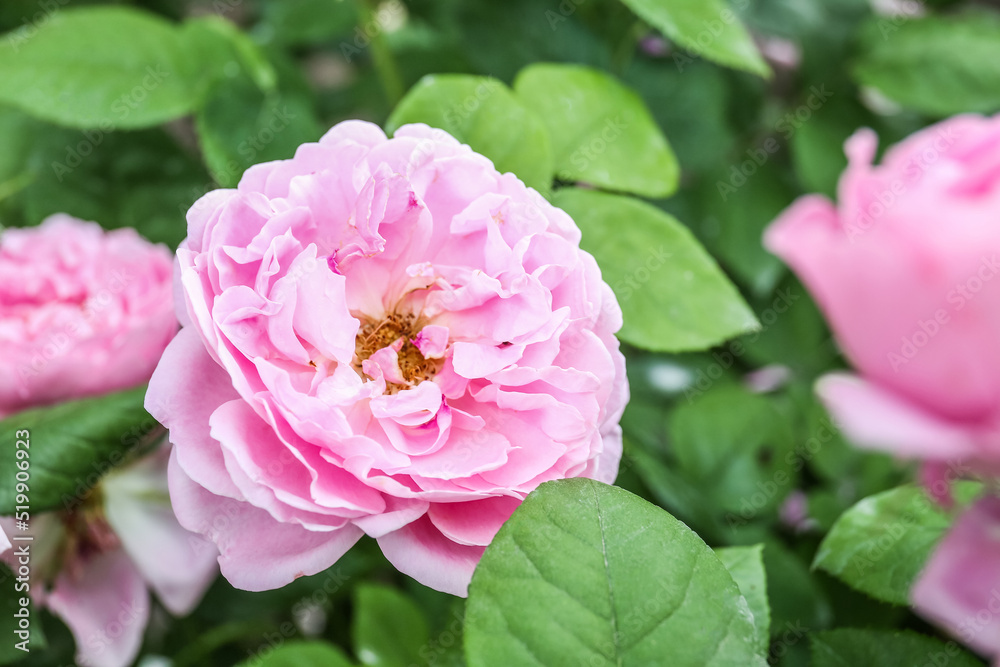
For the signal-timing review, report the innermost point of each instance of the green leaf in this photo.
(221, 42)
(794, 332)
(589, 574)
(300, 654)
(877, 648)
(17, 135)
(708, 28)
(746, 566)
(307, 21)
(735, 217)
(880, 545)
(798, 604)
(120, 179)
(602, 133)
(71, 445)
(691, 105)
(240, 126)
(672, 293)
(106, 67)
(504, 37)
(389, 629)
(483, 113)
(737, 447)
(818, 145)
(674, 492)
(939, 65)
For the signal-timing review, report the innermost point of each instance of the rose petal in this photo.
(873, 417)
(106, 606)
(256, 553)
(959, 587)
(420, 550)
(178, 564)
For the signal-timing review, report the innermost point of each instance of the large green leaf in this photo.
(708, 28)
(106, 67)
(602, 133)
(240, 126)
(880, 545)
(220, 45)
(937, 65)
(588, 574)
(746, 566)
(388, 629)
(71, 445)
(483, 113)
(300, 654)
(878, 648)
(736, 447)
(672, 293)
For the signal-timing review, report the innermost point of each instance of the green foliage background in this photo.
(692, 124)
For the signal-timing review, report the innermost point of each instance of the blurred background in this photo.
(730, 441)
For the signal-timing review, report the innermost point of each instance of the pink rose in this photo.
(905, 269)
(382, 336)
(93, 566)
(82, 311)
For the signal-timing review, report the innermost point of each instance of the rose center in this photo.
(375, 335)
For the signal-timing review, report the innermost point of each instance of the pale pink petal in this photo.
(472, 523)
(357, 131)
(873, 417)
(178, 564)
(959, 587)
(605, 466)
(274, 476)
(256, 552)
(398, 513)
(184, 406)
(106, 606)
(432, 341)
(420, 550)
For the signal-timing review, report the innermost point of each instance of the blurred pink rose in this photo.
(82, 311)
(383, 337)
(93, 566)
(905, 268)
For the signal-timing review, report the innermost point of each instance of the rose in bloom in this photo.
(382, 337)
(92, 565)
(905, 268)
(82, 311)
